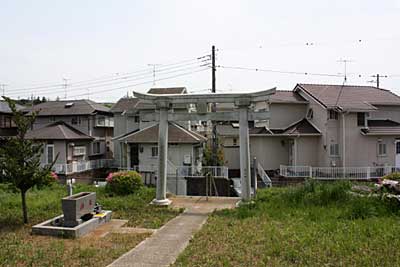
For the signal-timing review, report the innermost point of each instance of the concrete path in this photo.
(164, 246)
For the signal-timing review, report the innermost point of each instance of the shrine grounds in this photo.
(311, 225)
(308, 225)
(19, 248)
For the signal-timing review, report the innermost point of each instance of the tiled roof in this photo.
(382, 123)
(167, 91)
(57, 131)
(381, 131)
(176, 134)
(69, 107)
(302, 127)
(283, 96)
(350, 97)
(4, 108)
(381, 127)
(124, 104)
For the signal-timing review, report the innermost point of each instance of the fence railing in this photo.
(337, 173)
(202, 171)
(184, 171)
(264, 176)
(81, 166)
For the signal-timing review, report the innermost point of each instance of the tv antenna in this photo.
(154, 71)
(345, 61)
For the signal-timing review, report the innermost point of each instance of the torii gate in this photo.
(241, 100)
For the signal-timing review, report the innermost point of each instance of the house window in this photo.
(76, 120)
(360, 118)
(333, 115)
(154, 151)
(136, 118)
(310, 114)
(334, 150)
(101, 121)
(96, 148)
(52, 119)
(79, 151)
(234, 142)
(6, 122)
(382, 149)
(397, 147)
(49, 154)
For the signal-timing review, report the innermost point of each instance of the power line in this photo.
(147, 82)
(134, 78)
(121, 76)
(280, 71)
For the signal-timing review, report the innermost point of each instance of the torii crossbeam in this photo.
(241, 100)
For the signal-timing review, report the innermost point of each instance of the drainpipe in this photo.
(344, 143)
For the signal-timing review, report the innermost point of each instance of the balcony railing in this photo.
(81, 166)
(337, 173)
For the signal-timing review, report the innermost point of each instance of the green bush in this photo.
(393, 176)
(123, 183)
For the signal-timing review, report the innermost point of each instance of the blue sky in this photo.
(43, 41)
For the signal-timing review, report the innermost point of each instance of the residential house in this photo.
(136, 138)
(7, 125)
(76, 130)
(322, 125)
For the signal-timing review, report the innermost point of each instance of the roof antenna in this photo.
(345, 61)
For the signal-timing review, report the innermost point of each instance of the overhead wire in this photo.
(57, 84)
(147, 82)
(133, 78)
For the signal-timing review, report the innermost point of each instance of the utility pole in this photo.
(154, 71)
(65, 85)
(377, 76)
(214, 108)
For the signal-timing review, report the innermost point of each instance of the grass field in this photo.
(312, 225)
(19, 248)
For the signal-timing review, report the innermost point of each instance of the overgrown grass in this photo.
(19, 248)
(46, 203)
(311, 225)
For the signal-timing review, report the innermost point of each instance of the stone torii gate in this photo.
(241, 100)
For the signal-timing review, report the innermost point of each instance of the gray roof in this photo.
(4, 108)
(124, 104)
(69, 107)
(302, 127)
(350, 97)
(167, 91)
(284, 96)
(176, 134)
(57, 131)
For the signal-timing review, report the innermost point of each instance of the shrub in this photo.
(124, 182)
(393, 176)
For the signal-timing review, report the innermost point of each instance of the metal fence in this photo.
(337, 173)
(81, 166)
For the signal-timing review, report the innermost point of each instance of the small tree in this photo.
(20, 158)
(211, 160)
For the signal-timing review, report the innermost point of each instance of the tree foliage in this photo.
(20, 158)
(208, 157)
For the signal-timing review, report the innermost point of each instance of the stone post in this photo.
(161, 191)
(245, 176)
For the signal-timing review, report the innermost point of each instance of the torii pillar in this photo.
(161, 195)
(242, 101)
(245, 176)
